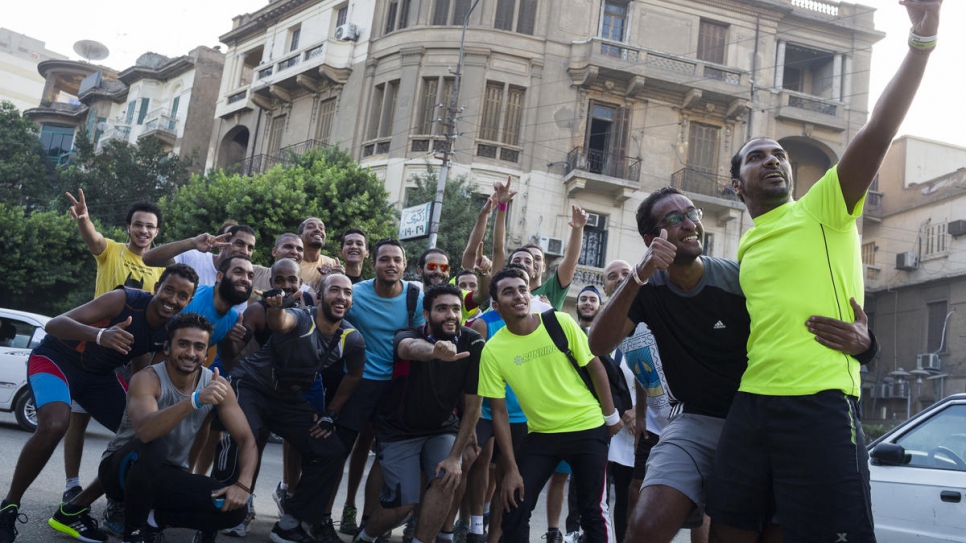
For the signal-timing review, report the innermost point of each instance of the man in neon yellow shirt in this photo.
(793, 442)
(565, 421)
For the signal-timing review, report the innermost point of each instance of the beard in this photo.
(438, 332)
(228, 291)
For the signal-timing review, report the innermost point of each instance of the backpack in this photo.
(412, 296)
(296, 363)
(615, 377)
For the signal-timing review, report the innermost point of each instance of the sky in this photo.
(172, 28)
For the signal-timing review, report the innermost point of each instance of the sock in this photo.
(72, 482)
(152, 521)
(288, 522)
(284, 486)
(476, 524)
(364, 536)
(442, 536)
(554, 529)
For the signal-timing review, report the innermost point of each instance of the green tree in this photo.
(460, 209)
(26, 177)
(45, 266)
(122, 174)
(325, 183)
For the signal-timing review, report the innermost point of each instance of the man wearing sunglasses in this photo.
(695, 308)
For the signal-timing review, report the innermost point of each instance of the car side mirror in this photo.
(889, 454)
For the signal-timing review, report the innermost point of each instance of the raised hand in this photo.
(660, 254)
(206, 242)
(502, 191)
(117, 338)
(216, 391)
(924, 16)
(578, 217)
(78, 208)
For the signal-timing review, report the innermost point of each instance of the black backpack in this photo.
(618, 386)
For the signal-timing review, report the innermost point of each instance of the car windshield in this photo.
(939, 442)
(18, 334)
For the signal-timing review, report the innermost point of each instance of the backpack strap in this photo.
(412, 296)
(556, 332)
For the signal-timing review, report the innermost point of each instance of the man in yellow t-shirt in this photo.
(565, 420)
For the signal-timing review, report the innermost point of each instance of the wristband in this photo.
(99, 334)
(637, 278)
(245, 488)
(613, 418)
(195, 400)
(501, 206)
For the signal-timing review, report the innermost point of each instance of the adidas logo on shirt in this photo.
(719, 325)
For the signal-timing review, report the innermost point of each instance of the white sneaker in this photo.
(572, 537)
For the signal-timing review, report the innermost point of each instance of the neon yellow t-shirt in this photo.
(552, 395)
(117, 265)
(799, 260)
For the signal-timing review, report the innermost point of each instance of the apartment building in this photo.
(171, 99)
(595, 105)
(19, 57)
(914, 255)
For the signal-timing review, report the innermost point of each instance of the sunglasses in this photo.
(677, 217)
(431, 266)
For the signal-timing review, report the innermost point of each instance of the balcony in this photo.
(605, 173)
(638, 69)
(162, 125)
(309, 69)
(118, 132)
(286, 156)
(807, 108)
(711, 192)
(237, 101)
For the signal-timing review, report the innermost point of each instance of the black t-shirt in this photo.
(344, 350)
(103, 360)
(423, 395)
(702, 335)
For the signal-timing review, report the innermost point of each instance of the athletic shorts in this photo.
(802, 456)
(484, 431)
(405, 462)
(361, 406)
(103, 396)
(683, 459)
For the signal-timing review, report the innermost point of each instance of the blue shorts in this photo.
(103, 396)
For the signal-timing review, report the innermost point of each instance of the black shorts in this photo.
(802, 457)
(484, 431)
(362, 405)
(642, 453)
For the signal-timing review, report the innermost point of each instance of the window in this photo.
(868, 253)
(936, 312)
(502, 107)
(91, 120)
(703, 148)
(342, 16)
(326, 118)
(58, 142)
(436, 96)
(593, 252)
(293, 38)
(708, 244)
(275, 134)
(808, 71)
(450, 12)
(129, 116)
(711, 41)
(606, 140)
(926, 442)
(397, 15)
(936, 240)
(251, 59)
(382, 110)
(143, 111)
(525, 12)
(614, 21)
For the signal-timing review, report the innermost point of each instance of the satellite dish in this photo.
(91, 50)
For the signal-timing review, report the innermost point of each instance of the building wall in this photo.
(19, 56)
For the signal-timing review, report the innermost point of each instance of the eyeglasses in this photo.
(675, 218)
(431, 266)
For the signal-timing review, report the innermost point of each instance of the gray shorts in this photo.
(683, 457)
(403, 464)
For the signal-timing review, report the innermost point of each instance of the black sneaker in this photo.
(71, 493)
(325, 531)
(76, 522)
(10, 515)
(554, 536)
(144, 535)
(204, 537)
(295, 535)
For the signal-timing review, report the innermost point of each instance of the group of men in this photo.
(745, 373)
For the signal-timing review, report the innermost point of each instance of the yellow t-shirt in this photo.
(551, 393)
(310, 270)
(799, 260)
(117, 266)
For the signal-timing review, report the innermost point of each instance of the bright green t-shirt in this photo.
(553, 290)
(799, 260)
(552, 395)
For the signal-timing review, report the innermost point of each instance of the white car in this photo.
(918, 475)
(20, 332)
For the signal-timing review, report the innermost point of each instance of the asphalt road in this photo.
(44, 495)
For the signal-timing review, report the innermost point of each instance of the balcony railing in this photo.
(117, 132)
(604, 163)
(161, 120)
(701, 182)
(238, 96)
(288, 63)
(287, 156)
(808, 103)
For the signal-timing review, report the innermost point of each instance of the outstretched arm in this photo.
(862, 157)
(567, 267)
(163, 255)
(78, 211)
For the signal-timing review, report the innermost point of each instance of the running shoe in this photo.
(553, 536)
(204, 537)
(10, 515)
(241, 530)
(348, 525)
(76, 522)
(459, 533)
(475, 538)
(144, 535)
(280, 496)
(113, 518)
(295, 535)
(325, 531)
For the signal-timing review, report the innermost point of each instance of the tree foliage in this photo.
(325, 183)
(26, 177)
(460, 209)
(122, 174)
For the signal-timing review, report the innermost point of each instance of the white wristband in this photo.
(99, 334)
(613, 418)
(637, 278)
(196, 400)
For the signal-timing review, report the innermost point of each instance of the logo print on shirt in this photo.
(518, 360)
(719, 325)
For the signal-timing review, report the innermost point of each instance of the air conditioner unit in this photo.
(956, 228)
(347, 32)
(594, 220)
(551, 246)
(908, 261)
(929, 361)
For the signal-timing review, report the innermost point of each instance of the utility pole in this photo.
(450, 123)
